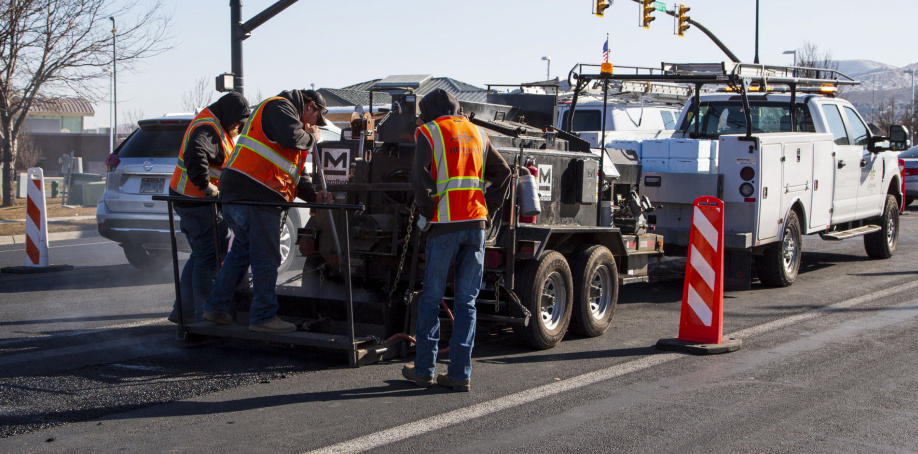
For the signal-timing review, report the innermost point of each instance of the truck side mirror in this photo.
(878, 144)
(898, 137)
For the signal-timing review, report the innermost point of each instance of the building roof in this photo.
(62, 107)
(422, 84)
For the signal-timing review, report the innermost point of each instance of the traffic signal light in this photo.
(646, 8)
(601, 6)
(682, 20)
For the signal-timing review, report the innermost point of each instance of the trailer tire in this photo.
(779, 265)
(546, 289)
(287, 245)
(145, 259)
(595, 290)
(882, 244)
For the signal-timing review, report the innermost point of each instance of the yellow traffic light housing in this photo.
(682, 20)
(646, 10)
(601, 6)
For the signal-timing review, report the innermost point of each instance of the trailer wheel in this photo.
(882, 244)
(287, 245)
(779, 265)
(595, 290)
(546, 289)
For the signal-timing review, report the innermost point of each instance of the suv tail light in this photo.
(111, 162)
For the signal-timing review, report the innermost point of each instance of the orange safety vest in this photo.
(458, 168)
(265, 161)
(180, 182)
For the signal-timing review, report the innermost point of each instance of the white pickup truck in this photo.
(814, 169)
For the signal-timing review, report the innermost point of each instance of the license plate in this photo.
(152, 185)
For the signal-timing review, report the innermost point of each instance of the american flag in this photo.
(605, 50)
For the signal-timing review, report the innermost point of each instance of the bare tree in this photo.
(132, 116)
(886, 114)
(809, 56)
(28, 155)
(199, 96)
(49, 48)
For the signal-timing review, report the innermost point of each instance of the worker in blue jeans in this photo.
(453, 161)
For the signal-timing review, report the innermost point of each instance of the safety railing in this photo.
(342, 245)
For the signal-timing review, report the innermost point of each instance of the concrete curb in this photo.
(57, 236)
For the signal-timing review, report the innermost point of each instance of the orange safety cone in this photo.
(702, 315)
(36, 229)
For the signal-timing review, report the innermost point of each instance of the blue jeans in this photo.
(197, 223)
(466, 247)
(256, 242)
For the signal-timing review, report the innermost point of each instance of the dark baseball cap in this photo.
(312, 95)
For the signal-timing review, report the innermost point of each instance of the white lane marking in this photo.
(461, 415)
(63, 245)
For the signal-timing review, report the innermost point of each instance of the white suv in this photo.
(140, 168)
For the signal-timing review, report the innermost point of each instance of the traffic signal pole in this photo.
(704, 30)
(239, 31)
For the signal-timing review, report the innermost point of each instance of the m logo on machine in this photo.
(545, 182)
(335, 163)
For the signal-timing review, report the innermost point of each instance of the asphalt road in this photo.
(89, 365)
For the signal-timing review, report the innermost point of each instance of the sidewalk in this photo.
(56, 236)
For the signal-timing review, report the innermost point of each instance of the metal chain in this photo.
(401, 262)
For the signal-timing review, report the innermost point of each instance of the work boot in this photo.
(411, 375)
(220, 318)
(276, 325)
(456, 385)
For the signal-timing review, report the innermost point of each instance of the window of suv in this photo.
(156, 140)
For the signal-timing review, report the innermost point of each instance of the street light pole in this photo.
(111, 105)
(912, 72)
(756, 32)
(114, 88)
(794, 52)
(548, 69)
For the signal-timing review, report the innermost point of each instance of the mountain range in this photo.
(878, 83)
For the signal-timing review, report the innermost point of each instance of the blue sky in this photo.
(338, 43)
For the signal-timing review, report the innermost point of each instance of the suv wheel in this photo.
(144, 259)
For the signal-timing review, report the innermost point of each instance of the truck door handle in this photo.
(863, 163)
(841, 163)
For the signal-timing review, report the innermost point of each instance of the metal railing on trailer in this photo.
(357, 348)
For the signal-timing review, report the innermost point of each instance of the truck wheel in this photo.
(882, 244)
(546, 289)
(287, 245)
(779, 265)
(595, 290)
(145, 259)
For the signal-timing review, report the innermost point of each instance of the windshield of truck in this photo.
(727, 117)
(584, 120)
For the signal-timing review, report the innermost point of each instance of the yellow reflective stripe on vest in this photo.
(267, 153)
(445, 184)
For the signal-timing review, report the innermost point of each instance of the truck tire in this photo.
(779, 265)
(595, 290)
(144, 259)
(546, 289)
(882, 244)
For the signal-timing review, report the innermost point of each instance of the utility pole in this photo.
(239, 31)
(114, 87)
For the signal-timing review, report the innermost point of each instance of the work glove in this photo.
(423, 224)
(324, 197)
(212, 191)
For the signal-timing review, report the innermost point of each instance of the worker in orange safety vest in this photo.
(207, 142)
(266, 165)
